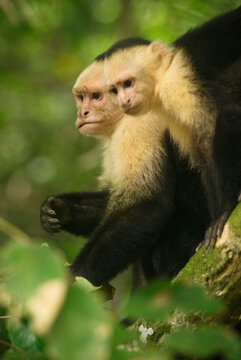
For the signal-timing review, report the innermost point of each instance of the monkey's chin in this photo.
(133, 110)
(92, 128)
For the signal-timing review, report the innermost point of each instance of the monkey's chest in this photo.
(132, 160)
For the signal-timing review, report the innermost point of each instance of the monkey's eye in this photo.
(114, 91)
(128, 83)
(81, 97)
(96, 96)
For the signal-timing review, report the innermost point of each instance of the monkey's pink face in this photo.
(133, 90)
(97, 112)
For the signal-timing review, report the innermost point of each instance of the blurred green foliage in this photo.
(43, 47)
(50, 318)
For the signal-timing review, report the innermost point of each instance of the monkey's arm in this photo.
(77, 213)
(120, 239)
(227, 160)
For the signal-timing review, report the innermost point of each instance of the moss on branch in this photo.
(219, 272)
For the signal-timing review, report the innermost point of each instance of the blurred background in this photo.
(44, 45)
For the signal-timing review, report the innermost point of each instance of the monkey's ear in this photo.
(158, 48)
(162, 52)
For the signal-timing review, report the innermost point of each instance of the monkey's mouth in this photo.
(90, 123)
(133, 109)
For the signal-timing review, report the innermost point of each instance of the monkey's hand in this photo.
(214, 231)
(54, 214)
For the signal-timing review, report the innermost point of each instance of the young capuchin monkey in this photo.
(193, 89)
(151, 210)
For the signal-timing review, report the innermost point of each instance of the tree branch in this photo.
(219, 273)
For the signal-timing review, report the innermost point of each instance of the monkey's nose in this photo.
(126, 103)
(86, 113)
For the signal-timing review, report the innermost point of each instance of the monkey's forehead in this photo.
(118, 71)
(127, 53)
(91, 77)
(126, 60)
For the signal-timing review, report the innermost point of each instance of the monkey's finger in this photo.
(51, 200)
(47, 217)
(47, 211)
(50, 212)
(213, 239)
(222, 222)
(53, 221)
(56, 204)
(217, 229)
(54, 230)
(199, 246)
(206, 241)
(47, 207)
(208, 237)
(49, 221)
(239, 198)
(51, 228)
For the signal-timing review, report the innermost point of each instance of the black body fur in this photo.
(214, 51)
(215, 45)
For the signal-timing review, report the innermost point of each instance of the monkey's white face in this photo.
(128, 81)
(132, 75)
(97, 111)
(132, 90)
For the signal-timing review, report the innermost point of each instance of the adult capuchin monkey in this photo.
(193, 88)
(151, 210)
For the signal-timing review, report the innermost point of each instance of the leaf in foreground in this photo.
(29, 266)
(206, 342)
(158, 299)
(23, 355)
(22, 337)
(82, 329)
(35, 277)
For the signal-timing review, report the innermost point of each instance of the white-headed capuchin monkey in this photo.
(98, 113)
(193, 89)
(151, 209)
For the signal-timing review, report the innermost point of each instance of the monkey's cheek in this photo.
(78, 123)
(138, 104)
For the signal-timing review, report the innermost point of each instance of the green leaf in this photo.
(85, 284)
(121, 337)
(143, 303)
(23, 355)
(22, 337)
(82, 329)
(35, 278)
(192, 298)
(29, 266)
(158, 299)
(130, 352)
(205, 342)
